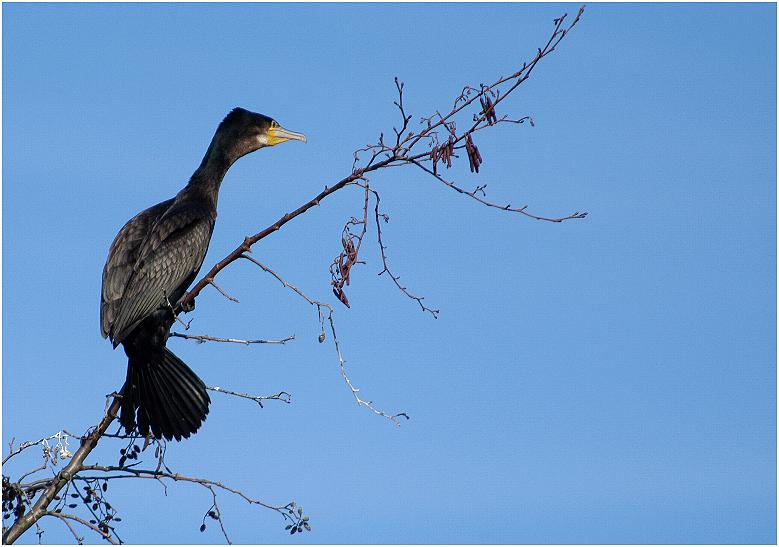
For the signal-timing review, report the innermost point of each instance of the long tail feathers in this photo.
(163, 395)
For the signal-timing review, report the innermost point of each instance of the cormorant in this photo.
(151, 263)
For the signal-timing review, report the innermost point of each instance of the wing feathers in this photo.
(169, 255)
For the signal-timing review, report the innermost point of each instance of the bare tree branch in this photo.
(282, 396)
(222, 291)
(204, 338)
(480, 189)
(23, 523)
(341, 362)
(64, 518)
(80, 540)
(355, 391)
(383, 250)
(112, 472)
(399, 153)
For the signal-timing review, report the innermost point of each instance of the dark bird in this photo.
(151, 263)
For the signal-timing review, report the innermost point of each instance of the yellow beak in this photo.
(278, 134)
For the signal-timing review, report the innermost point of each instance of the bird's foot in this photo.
(187, 306)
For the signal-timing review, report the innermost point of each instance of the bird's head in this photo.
(242, 132)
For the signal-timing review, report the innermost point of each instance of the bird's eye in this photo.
(274, 124)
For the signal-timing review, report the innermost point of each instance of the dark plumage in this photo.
(151, 263)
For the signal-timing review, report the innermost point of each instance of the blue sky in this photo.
(608, 380)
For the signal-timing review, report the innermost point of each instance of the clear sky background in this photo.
(605, 380)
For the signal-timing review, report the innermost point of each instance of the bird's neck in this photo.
(207, 178)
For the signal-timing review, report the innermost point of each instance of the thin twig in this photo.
(177, 477)
(216, 514)
(64, 517)
(473, 194)
(60, 448)
(396, 278)
(221, 290)
(355, 391)
(341, 360)
(282, 396)
(204, 338)
(284, 281)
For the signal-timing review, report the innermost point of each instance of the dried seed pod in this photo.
(469, 150)
(474, 157)
(448, 151)
(341, 296)
(488, 109)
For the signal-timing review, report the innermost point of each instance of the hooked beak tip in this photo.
(279, 134)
